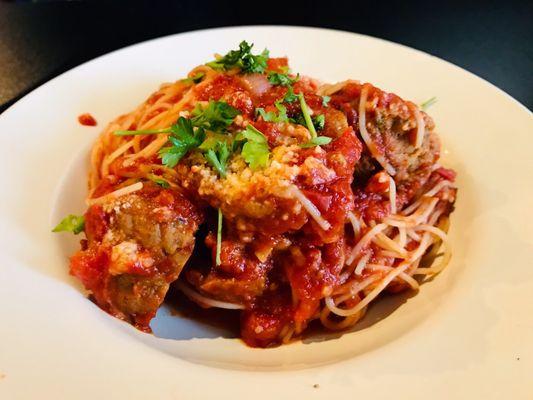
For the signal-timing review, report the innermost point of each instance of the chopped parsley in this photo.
(216, 117)
(71, 223)
(318, 141)
(319, 121)
(158, 180)
(243, 59)
(280, 79)
(313, 124)
(307, 116)
(189, 134)
(325, 100)
(219, 238)
(193, 79)
(255, 149)
(183, 138)
(428, 103)
(290, 96)
(217, 154)
(272, 116)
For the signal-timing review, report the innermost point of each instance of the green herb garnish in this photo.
(290, 96)
(158, 180)
(183, 138)
(188, 134)
(428, 103)
(280, 79)
(319, 121)
(216, 117)
(219, 238)
(272, 116)
(307, 116)
(243, 59)
(255, 150)
(71, 223)
(217, 155)
(193, 79)
(325, 100)
(318, 141)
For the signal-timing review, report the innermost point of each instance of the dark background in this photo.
(40, 39)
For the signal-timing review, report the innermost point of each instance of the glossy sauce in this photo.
(87, 120)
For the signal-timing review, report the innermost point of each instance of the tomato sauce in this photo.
(278, 264)
(87, 120)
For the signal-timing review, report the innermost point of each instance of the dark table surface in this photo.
(39, 40)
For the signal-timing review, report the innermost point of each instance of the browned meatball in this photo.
(239, 278)
(391, 123)
(137, 245)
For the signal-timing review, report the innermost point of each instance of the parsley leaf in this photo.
(271, 116)
(188, 134)
(159, 180)
(428, 103)
(252, 134)
(217, 116)
(313, 124)
(217, 155)
(267, 116)
(257, 63)
(71, 223)
(171, 156)
(319, 121)
(255, 151)
(193, 79)
(255, 154)
(211, 141)
(325, 100)
(243, 59)
(290, 96)
(183, 139)
(318, 141)
(277, 78)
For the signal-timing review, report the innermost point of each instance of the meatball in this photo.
(239, 278)
(391, 124)
(136, 246)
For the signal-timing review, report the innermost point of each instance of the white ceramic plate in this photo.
(468, 334)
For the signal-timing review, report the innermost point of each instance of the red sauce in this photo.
(303, 261)
(271, 96)
(218, 88)
(279, 64)
(271, 131)
(242, 101)
(91, 268)
(371, 206)
(106, 185)
(96, 223)
(86, 119)
(262, 324)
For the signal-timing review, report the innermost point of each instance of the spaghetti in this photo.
(313, 200)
